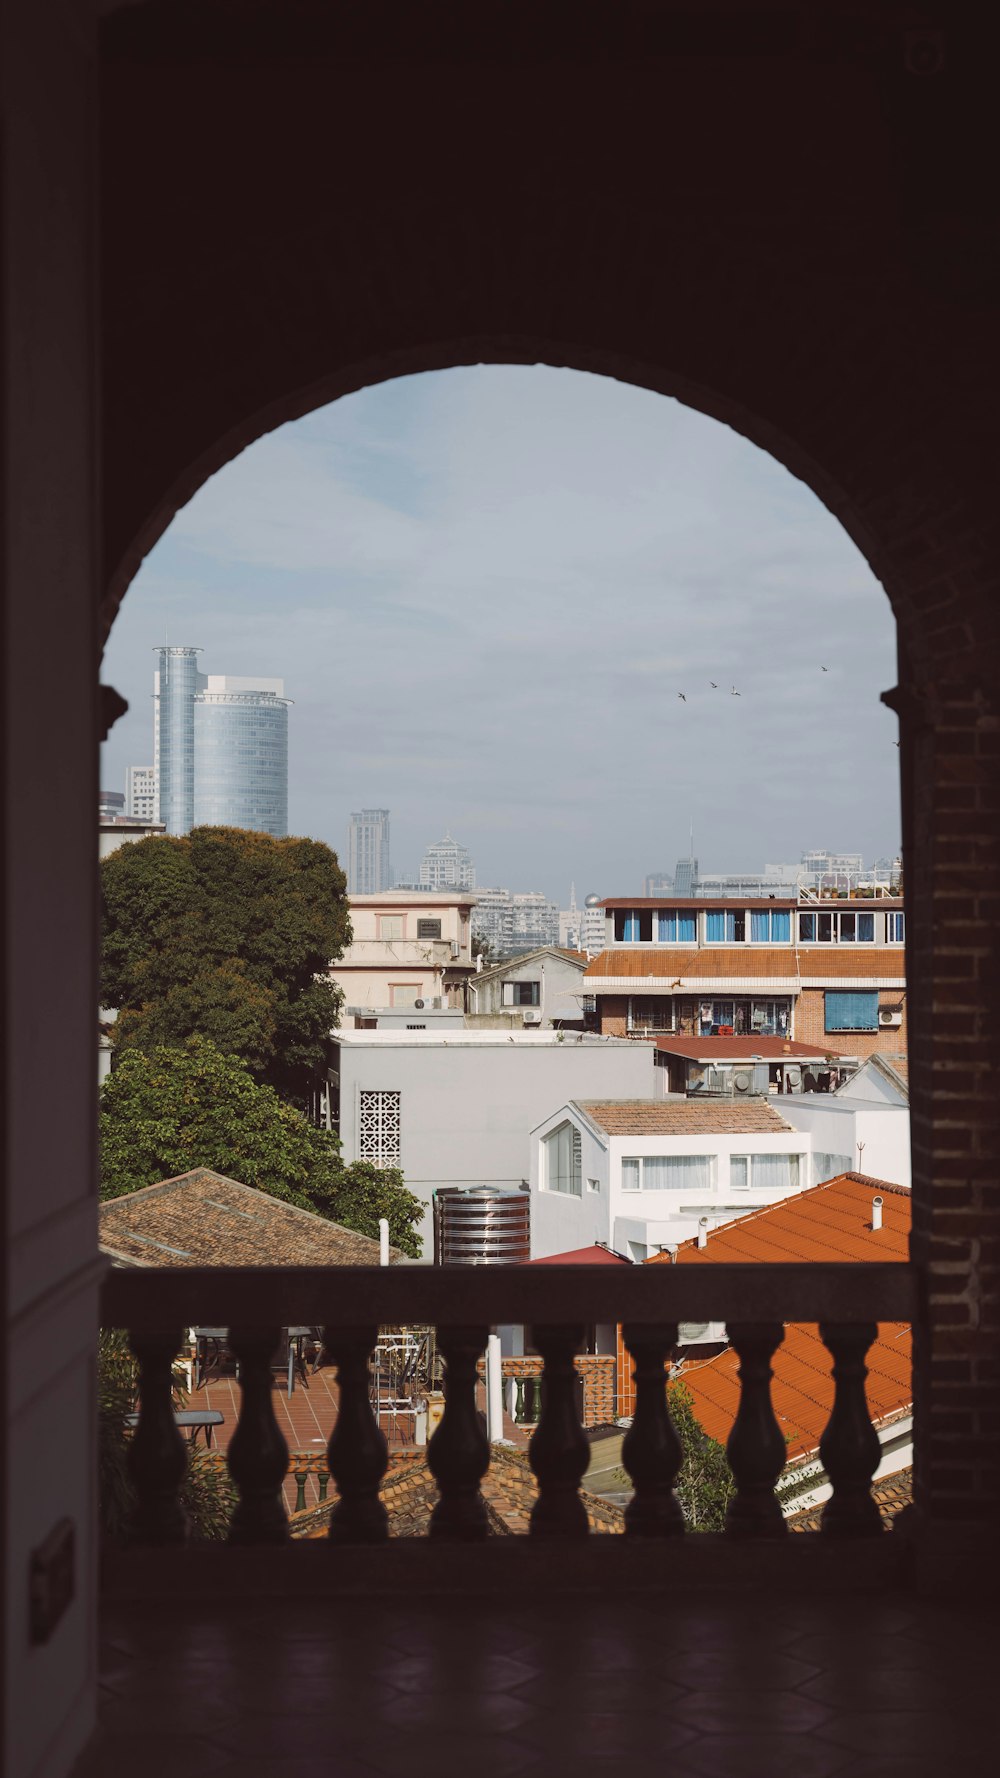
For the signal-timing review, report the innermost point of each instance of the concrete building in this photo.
(543, 988)
(409, 952)
(643, 1176)
(120, 830)
(827, 972)
(852, 1132)
(458, 1108)
(593, 926)
(447, 865)
(110, 804)
(220, 747)
(140, 793)
(534, 921)
(493, 920)
(369, 869)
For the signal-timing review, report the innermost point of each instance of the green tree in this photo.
(228, 935)
(178, 1108)
(704, 1481)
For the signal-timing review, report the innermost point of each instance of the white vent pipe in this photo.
(703, 1232)
(876, 1213)
(383, 1241)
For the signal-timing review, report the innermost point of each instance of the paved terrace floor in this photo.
(712, 1687)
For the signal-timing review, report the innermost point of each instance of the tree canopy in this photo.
(228, 935)
(178, 1108)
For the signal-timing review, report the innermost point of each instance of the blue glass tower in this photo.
(175, 683)
(241, 758)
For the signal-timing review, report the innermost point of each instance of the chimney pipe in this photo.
(876, 1213)
(703, 1232)
(383, 1241)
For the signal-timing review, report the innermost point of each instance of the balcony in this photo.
(736, 1655)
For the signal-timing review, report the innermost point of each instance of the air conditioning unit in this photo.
(533, 1018)
(456, 948)
(420, 1004)
(793, 1076)
(742, 1080)
(890, 1016)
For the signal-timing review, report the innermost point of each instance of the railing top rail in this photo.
(403, 1295)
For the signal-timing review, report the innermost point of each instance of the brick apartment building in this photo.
(829, 973)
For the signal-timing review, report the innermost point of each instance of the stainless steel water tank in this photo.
(481, 1225)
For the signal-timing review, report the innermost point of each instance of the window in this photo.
(593, 1185)
(817, 929)
(765, 1172)
(562, 1161)
(390, 926)
(379, 1127)
(634, 926)
(770, 926)
(852, 928)
(404, 993)
(667, 1172)
(520, 994)
(857, 929)
(723, 928)
(895, 929)
(676, 928)
(851, 1009)
(830, 1166)
(427, 929)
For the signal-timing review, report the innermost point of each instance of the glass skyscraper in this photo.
(220, 748)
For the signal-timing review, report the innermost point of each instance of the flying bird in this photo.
(824, 669)
(713, 685)
(734, 693)
(683, 697)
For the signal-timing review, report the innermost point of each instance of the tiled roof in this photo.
(739, 1049)
(202, 1218)
(508, 1488)
(682, 1117)
(830, 1222)
(507, 964)
(890, 1494)
(750, 963)
(583, 1256)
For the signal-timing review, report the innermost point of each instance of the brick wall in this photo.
(613, 1015)
(599, 1373)
(809, 1026)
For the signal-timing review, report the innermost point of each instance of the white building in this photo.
(447, 865)
(543, 988)
(368, 866)
(645, 1175)
(854, 1132)
(140, 793)
(409, 949)
(534, 921)
(493, 919)
(593, 930)
(458, 1107)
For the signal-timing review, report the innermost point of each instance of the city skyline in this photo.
(220, 747)
(491, 587)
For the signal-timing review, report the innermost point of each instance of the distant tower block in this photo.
(368, 866)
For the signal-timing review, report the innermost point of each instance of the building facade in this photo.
(542, 988)
(493, 920)
(140, 793)
(458, 1107)
(447, 865)
(369, 870)
(220, 747)
(534, 921)
(827, 972)
(411, 951)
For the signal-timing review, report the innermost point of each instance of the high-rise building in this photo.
(594, 931)
(571, 923)
(447, 865)
(220, 747)
(368, 868)
(110, 803)
(534, 921)
(493, 919)
(140, 793)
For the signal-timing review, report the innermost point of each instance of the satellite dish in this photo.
(690, 1332)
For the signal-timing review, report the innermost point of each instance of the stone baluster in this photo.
(756, 1448)
(849, 1449)
(300, 1489)
(651, 1449)
(559, 1451)
(157, 1458)
(357, 1453)
(257, 1455)
(459, 1454)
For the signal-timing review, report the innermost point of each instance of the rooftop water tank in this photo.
(481, 1225)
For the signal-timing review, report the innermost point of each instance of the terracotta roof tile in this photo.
(682, 1117)
(890, 1494)
(749, 963)
(831, 1221)
(739, 1049)
(202, 1218)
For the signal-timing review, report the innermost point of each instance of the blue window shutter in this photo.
(851, 1009)
(666, 929)
(686, 930)
(760, 928)
(781, 927)
(715, 928)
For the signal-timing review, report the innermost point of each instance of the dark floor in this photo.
(848, 1687)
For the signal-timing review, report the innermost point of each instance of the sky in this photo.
(486, 590)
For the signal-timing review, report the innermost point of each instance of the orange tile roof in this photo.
(830, 1222)
(682, 1117)
(749, 963)
(739, 1049)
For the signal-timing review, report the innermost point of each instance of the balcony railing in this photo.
(847, 1301)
